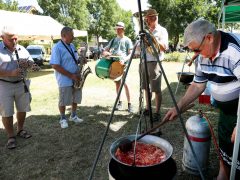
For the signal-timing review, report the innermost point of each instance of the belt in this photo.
(14, 82)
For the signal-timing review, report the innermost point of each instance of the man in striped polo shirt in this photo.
(219, 64)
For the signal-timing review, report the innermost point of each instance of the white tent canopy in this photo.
(34, 27)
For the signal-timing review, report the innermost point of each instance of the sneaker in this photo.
(156, 117)
(75, 119)
(130, 108)
(63, 123)
(119, 106)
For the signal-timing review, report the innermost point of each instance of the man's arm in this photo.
(61, 70)
(194, 90)
(13, 73)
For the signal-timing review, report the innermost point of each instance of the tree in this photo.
(70, 13)
(104, 15)
(175, 15)
(9, 5)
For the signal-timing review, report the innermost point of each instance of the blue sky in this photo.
(125, 4)
(132, 5)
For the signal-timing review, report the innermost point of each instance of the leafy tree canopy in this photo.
(104, 16)
(9, 5)
(175, 15)
(70, 13)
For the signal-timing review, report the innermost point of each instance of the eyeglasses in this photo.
(197, 50)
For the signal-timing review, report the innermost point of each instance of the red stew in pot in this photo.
(146, 155)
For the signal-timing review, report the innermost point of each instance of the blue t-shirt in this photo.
(61, 56)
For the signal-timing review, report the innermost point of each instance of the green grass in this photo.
(55, 153)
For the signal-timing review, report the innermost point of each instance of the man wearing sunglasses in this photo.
(218, 63)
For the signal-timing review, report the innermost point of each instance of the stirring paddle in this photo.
(126, 144)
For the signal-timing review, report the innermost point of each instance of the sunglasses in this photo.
(197, 50)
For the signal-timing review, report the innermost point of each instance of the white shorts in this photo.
(11, 93)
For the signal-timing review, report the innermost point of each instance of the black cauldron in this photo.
(185, 77)
(166, 169)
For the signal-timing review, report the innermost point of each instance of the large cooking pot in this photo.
(166, 168)
(185, 77)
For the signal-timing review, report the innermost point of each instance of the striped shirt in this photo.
(224, 72)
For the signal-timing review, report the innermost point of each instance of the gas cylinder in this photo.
(200, 136)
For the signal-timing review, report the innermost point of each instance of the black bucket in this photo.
(165, 171)
(185, 77)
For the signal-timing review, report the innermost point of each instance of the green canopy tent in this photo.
(230, 12)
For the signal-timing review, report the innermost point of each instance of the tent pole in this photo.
(236, 145)
(223, 19)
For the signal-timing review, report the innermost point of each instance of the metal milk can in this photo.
(200, 137)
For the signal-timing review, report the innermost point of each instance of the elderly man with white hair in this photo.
(219, 64)
(13, 87)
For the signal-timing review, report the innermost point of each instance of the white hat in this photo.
(120, 25)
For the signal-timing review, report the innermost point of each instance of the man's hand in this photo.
(106, 53)
(171, 115)
(75, 77)
(17, 72)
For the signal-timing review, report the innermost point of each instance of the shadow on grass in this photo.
(55, 153)
(58, 153)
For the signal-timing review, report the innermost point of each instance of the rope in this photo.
(216, 146)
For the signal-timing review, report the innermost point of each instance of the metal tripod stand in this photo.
(142, 34)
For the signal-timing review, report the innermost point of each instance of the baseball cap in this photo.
(120, 25)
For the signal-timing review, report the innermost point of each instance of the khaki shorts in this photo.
(154, 75)
(69, 95)
(11, 93)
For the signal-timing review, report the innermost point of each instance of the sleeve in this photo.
(55, 56)
(130, 44)
(163, 37)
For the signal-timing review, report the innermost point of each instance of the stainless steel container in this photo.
(200, 137)
(166, 169)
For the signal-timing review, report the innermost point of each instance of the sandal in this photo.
(24, 134)
(11, 144)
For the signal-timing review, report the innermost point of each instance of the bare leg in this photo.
(158, 101)
(127, 93)
(62, 109)
(8, 124)
(74, 107)
(118, 83)
(146, 97)
(20, 119)
(222, 175)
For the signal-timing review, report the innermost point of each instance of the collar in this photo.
(5, 47)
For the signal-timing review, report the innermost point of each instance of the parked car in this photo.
(82, 50)
(38, 53)
(96, 52)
